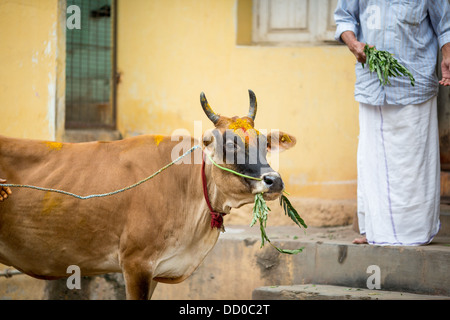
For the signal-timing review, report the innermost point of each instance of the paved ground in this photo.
(336, 235)
(327, 292)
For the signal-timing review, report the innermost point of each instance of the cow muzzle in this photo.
(271, 185)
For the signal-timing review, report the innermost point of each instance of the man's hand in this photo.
(356, 47)
(4, 191)
(445, 65)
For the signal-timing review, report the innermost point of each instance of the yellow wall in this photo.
(169, 51)
(28, 68)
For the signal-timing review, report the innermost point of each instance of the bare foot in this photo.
(361, 240)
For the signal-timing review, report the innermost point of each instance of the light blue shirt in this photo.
(413, 31)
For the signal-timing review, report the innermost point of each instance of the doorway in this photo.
(91, 66)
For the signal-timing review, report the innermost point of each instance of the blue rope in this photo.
(103, 194)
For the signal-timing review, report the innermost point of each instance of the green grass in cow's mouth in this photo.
(261, 211)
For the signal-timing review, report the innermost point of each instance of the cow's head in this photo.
(237, 145)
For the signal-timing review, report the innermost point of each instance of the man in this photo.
(4, 191)
(398, 151)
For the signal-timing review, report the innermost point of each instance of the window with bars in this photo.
(90, 66)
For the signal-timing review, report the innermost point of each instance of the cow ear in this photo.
(278, 141)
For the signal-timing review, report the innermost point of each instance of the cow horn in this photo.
(208, 110)
(253, 105)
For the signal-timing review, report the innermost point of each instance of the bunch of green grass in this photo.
(260, 213)
(385, 65)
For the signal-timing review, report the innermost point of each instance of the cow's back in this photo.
(42, 233)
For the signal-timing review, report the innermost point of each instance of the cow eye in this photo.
(230, 146)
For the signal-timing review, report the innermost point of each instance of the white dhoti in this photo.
(399, 173)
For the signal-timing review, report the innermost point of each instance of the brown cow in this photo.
(159, 231)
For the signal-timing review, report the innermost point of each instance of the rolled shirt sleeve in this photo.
(439, 12)
(346, 17)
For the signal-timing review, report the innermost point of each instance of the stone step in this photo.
(330, 292)
(237, 265)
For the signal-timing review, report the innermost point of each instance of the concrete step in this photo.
(329, 292)
(237, 265)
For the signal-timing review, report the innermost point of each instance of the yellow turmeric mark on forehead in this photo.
(244, 130)
(242, 124)
(158, 138)
(54, 145)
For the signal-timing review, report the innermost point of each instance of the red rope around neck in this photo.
(216, 218)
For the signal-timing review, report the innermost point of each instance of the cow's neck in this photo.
(216, 215)
(196, 237)
(216, 199)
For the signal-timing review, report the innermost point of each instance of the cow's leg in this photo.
(139, 283)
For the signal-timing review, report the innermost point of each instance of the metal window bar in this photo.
(90, 66)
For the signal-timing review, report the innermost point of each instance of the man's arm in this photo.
(445, 65)
(346, 16)
(356, 47)
(4, 191)
(439, 12)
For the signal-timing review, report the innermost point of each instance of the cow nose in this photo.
(269, 180)
(273, 181)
